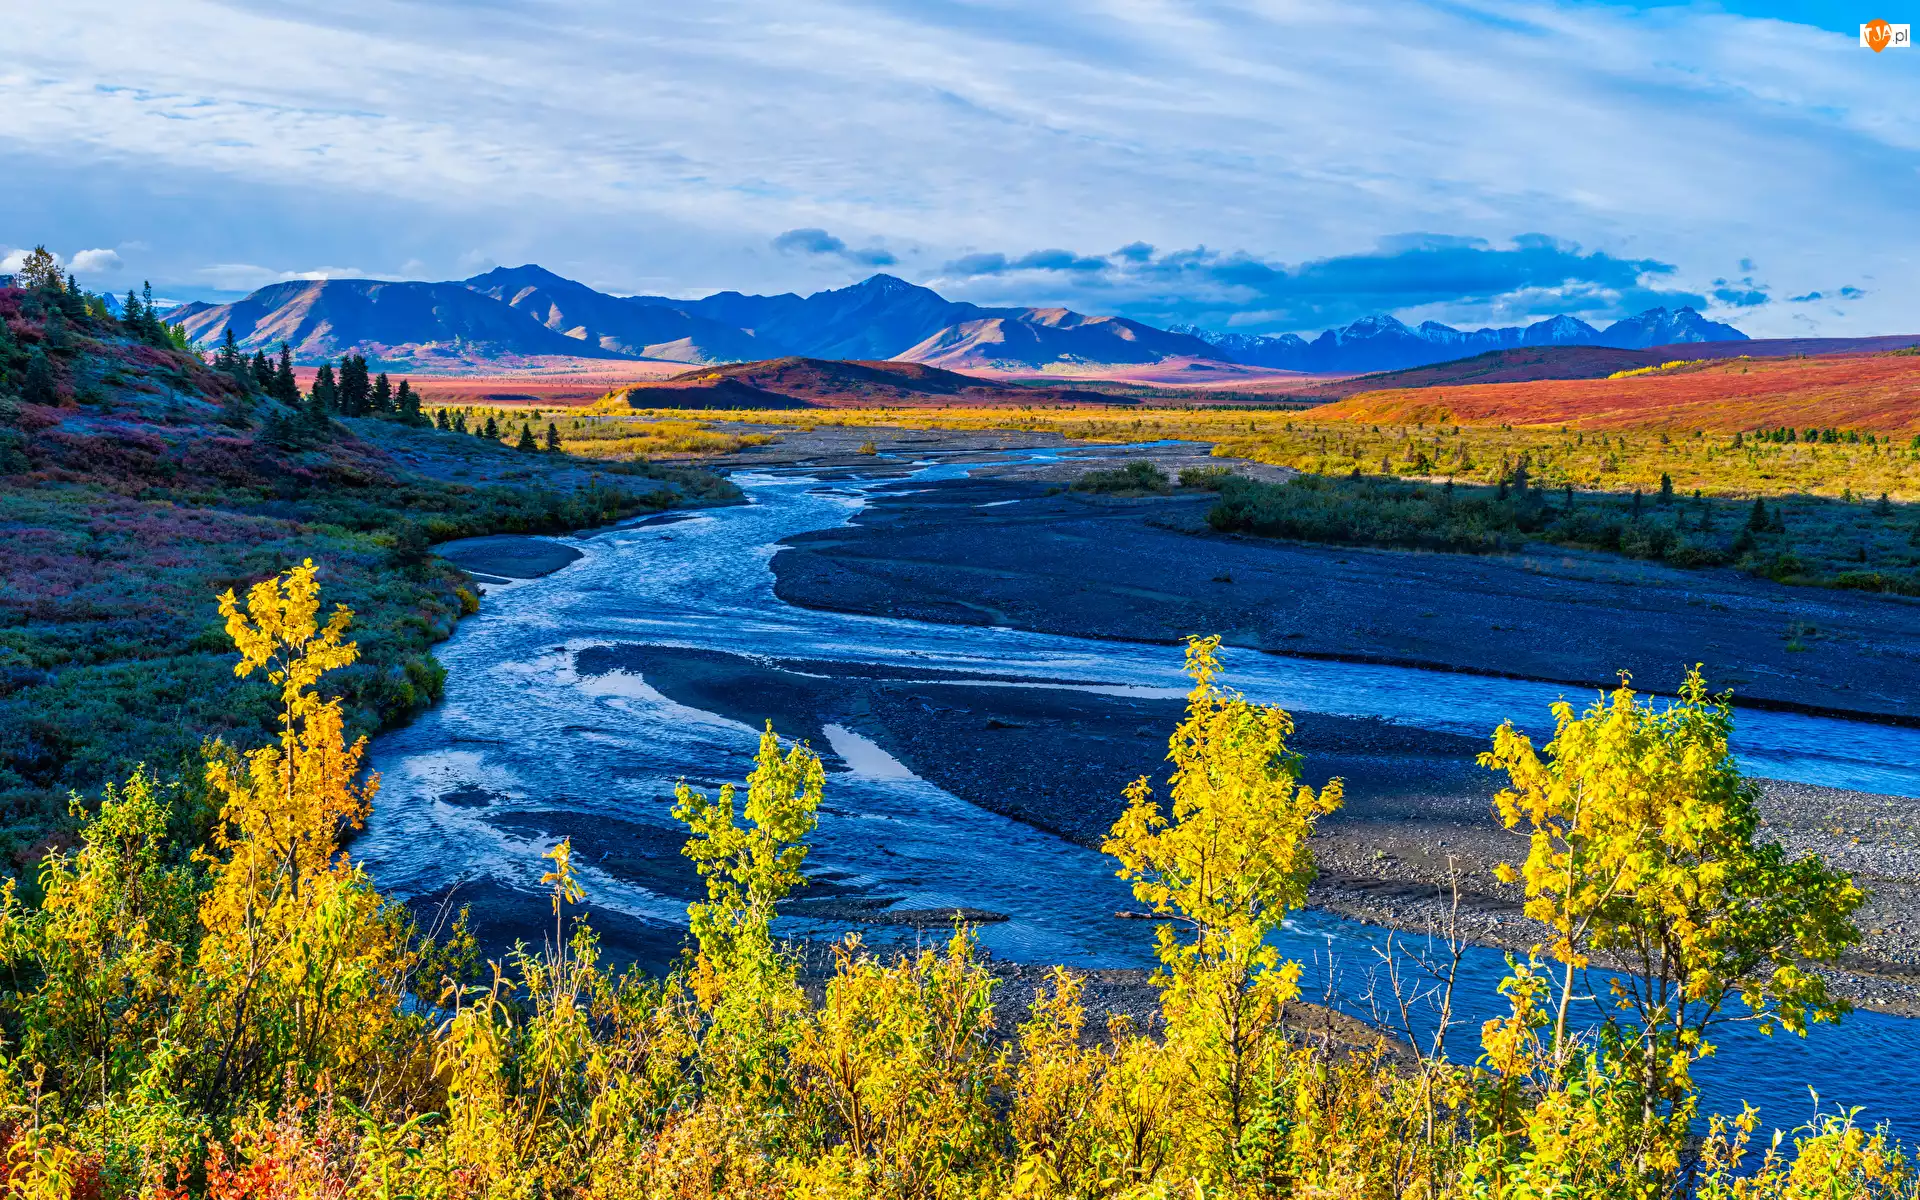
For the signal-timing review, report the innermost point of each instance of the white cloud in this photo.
(662, 148)
(245, 277)
(93, 262)
(14, 260)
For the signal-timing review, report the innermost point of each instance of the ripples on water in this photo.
(521, 729)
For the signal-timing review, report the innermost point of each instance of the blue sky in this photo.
(1267, 165)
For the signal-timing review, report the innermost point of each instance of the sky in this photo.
(1256, 165)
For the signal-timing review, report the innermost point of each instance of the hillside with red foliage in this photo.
(844, 383)
(1879, 392)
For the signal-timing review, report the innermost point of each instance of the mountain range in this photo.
(1384, 344)
(527, 312)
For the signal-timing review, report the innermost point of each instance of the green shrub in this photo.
(1138, 477)
(1209, 479)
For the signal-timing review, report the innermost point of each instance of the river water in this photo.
(522, 726)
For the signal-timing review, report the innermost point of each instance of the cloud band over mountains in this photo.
(1534, 275)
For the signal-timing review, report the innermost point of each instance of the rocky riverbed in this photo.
(1024, 554)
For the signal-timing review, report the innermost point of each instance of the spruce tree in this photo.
(1666, 488)
(382, 401)
(1757, 520)
(325, 398)
(262, 372)
(460, 422)
(355, 393)
(131, 314)
(553, 438)
(440, 421)
(38, 387)
(229, 357)
(408, 402)
(526, 441)
(286, 388)
(491, 432)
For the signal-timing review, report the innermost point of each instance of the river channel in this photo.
(523, 730)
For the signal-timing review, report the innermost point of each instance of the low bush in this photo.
(1137, 478)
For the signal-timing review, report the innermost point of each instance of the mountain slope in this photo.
(391, 323)
(612, 324)
(1043, 336)
(1666, 327)
(877, 318)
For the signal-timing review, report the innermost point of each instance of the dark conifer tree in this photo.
(1666, 488)
(440, 421)
(262, 372)
(460, 422)
(490, 431)
(229, 356)
(131, 314)
(355, 391)
(553, 438)
(286, 388)
(408, 402)
(1757, 520)
(325, 398)
(382, 400)
(526, 441)
(38, 387)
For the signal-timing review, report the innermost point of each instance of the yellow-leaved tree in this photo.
(302, 966)
(1229, 863)
(741, 977)
(1645, 865)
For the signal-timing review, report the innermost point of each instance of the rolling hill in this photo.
(1495, 366)
(1877, 391)
(797, 381)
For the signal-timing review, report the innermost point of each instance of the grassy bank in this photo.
(1799, 540)
(136, 482)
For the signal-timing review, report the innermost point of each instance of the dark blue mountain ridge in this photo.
(1383, 343)
(528, 311)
